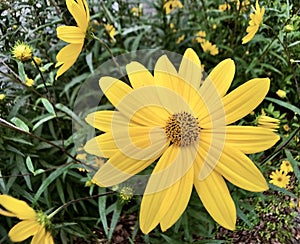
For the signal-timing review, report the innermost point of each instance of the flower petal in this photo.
(80, 12)
(163, 186)
(102, 146)
(138, 75)
(114, 89)
(250, 139)
(180, 201)
(245, 99)
(216, 198)
(138, 148)
(66, 57)
(70, 34)
(222, 76)
(236, 167)
(190, 68)
(17, 207)
(23, 230)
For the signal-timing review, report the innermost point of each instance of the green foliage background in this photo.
(38, 147)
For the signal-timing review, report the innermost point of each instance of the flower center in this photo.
(182, 129)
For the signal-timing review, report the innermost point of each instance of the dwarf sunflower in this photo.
(33, 223)
(74, 35)
(279, 178)
(286, 166)
(256, 19)
(168, 116)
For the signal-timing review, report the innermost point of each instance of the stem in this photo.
(78, 200)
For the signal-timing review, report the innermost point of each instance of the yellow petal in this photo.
(39, 236)
(17, 207)
(66, 57)
(6, 213)
(250, 139)
(102, 120)
(245, 99)
(180, 201)
(80, 12)
(70, 34)
(102, 146)
(114, 89)
(222, 76)
(138, 148)
(236, 167)
(216, 198)
(190, 68)
(163, 186)
(23, 230)
(138, 75)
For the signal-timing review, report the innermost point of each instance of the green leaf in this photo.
(21, 71)
(294, 163)
(284, 104)
(29, 164)
(89, 61)
(102, 210)
(45, 119)
(20, 124)
(48, 106)
(115, 218)
(282, 190)
(22, 168)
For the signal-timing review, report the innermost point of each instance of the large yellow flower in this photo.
(169, 117)
(256, 19)
(33, 223)
(74, 35)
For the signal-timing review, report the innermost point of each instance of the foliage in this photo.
(39, 151)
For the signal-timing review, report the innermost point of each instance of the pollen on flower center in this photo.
(182, 129)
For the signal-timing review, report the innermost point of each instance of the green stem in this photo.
(78, 200)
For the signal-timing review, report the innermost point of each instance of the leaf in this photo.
(102, 210)
(115, 218)
(45, 119)
(282, 190)
(294, 163)
(23, 170)
(20, 124)
(284, 104)
(69, 112)
(48, 106)
(89, 61)
(29, 164)
(21, 71)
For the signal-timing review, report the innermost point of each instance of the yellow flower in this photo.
(29, 82)
(172, 27)
(22, 51)
(2, 96)
(33, 223)
(171, 5)
(110, 30)
(180, 39)
(207, 46)
(289, 28)
(279, 178)
(286, 166)
(224, 7)
(168, 117)
(214, 26)
(37, 60)
(281, 93)
(200, 36)
(268, 122)
(137, 11)
(74, 35)
(256, 19)
(244, 5)
(286, 127)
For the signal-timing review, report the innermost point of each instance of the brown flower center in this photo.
(182, 129)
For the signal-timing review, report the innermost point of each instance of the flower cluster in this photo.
(280, 177)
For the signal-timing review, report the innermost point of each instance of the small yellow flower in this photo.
(214, 26)
(281, 93)
(126, 193)
(171, 5)
(33, 223)
(74, 35)
(22, 51)
(29, 82)
(2, 96)
(267, 122)
(137, 11)
(37, 60)
(172, 27)
(242, 7)
(289, 28)
(110, 30)
(207, 46)
(224, 7)
(286, 127)
(256, 20)
(180, 39)
(89, 183)
(279, 178)
(200, 36)
(286, 166)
